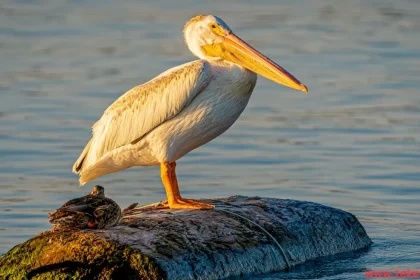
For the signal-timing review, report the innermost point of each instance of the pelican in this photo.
(159, 122)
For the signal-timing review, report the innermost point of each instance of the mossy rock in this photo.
(242, 236)
(76, 255)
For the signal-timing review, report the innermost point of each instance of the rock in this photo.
(242, 236)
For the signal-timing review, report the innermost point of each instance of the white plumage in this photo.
(158, 122)
(178, 111)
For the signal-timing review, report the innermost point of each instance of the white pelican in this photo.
(159, 122)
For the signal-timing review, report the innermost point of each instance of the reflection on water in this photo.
(352, 142)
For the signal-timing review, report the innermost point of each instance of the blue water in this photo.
(353, 142)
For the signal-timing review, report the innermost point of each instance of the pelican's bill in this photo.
(235, 50)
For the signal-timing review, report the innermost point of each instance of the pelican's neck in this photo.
(235, 75)
(228, 64)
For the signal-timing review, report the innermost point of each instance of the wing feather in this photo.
(143, 108)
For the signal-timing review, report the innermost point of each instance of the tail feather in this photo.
(91, 173)
(105, 165)
(79, 164)
(90, 168)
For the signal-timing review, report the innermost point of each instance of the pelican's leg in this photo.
(167, 172)
(177, 194)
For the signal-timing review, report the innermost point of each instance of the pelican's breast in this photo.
(210, 114)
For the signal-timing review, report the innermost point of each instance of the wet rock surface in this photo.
(241, 236)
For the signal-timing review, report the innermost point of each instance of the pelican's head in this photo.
(210, 38)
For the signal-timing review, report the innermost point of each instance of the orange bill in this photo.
(235, 50)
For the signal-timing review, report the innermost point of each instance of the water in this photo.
(353, 142)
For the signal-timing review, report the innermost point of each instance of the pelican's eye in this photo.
(217, 29)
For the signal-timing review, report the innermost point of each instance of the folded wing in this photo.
(143, 108)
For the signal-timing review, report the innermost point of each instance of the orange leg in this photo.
(172, 175)
(175, 201)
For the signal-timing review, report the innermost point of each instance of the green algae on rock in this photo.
(75, 255)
